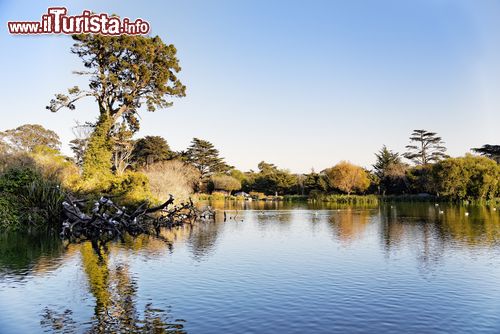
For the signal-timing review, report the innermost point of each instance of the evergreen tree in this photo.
(490, 151)
(385, 158)
(205, 157)
(428, 148)
(390, 171)
(151, 149)
(125, 73)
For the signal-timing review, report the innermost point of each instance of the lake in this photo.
(269, 268)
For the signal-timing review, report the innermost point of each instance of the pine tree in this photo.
(125, 72)
(205, 157)
(428, 148)
(385, 158)
(490, 151)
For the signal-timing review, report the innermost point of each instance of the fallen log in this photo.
(108, 221)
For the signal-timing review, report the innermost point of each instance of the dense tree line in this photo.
(432, 171)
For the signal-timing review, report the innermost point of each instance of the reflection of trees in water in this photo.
(481, 227)
(349, 224)
(428, 229)
(115, 310)
(23, 254)
(202, 237)
(246, 205)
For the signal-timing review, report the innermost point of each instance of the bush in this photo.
(42, 201)
(172, 177)
(14, 180)
(31, 187)
(217, 196)
(225, 183)
(54, 166)
(467, 178)
(131, 188)
(344, 199)
(27, 197)
(9, 212)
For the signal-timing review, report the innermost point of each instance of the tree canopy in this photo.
(205, 157)
(225, 182)
(27, 137)
(390, 170)
(468, 177)
(151, 149)
(271, 180)
(490, 151)
(428, 147)
(124, 72)
(348, 178)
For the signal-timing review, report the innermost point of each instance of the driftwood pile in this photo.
(108, 221)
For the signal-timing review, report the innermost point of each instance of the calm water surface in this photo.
(413, 268)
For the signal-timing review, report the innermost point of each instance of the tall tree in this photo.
(391, 171)
(271, 180)
(428, 147)
(205, 157)
(348, 178)
(28, 136)
(490, 151)
(151, 149)
(125, 72)
(385, 158)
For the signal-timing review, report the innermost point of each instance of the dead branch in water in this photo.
(108, 221)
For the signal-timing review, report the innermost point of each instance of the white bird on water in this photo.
(441, 212)
(466, 213)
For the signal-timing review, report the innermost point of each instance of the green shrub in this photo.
(29, 198)
(15, 179)
(343, 199)
(217, 196)
(43, 199)
(131, 188)
(9, 212)
(467, 178)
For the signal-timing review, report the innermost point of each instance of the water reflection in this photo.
(115, 292)
(447, 224)
(324, 254)
(349, 224)
(426, 227)
(24, 254)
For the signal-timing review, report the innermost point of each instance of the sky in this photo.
(301, 84)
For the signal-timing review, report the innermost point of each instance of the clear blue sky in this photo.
(297, 83)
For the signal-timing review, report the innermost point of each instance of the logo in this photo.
(56, 21)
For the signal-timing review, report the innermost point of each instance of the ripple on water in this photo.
(407, 269)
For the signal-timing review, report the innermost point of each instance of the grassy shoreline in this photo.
(348, 199)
